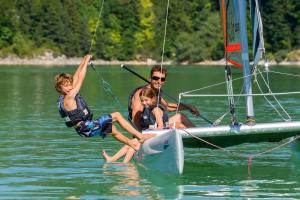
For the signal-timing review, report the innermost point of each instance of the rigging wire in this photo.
(163, 48)
(277, 101)
(105, 85)
(218, 121)
(243, 155)
(96, 28)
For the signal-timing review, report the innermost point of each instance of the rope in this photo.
(97, 24)
(163, 48)
(230, 95)
(239, 95)
(105, 85)
(283, 73)
(213, 85)
(165, 33)
(242, 77)
(243, 155)
(273, 95)
(250, 157)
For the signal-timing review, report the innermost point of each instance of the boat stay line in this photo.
(237, 95)
(217, 84)
(283, 73)
(245, 155)
(105, 85)
(97, 24)
(242, 77)
(274, 97)
(163, 47)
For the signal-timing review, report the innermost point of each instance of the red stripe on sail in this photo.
(233, 47)
(224, 22)
(239, 65)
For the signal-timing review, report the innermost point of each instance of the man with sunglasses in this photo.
(158, 77)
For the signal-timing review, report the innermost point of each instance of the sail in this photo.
(257, 32)
(236, 43)
(231, 30)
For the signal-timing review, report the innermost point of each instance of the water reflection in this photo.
(135, 181)
(127, 176)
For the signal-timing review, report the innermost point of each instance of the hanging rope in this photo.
(241, 154)
(105, 85)
(96, 28)
(165, 34)
(163, 48)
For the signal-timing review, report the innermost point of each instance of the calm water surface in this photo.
(42, 159)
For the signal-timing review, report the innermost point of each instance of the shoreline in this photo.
(49, 61)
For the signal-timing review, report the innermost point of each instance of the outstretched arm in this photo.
(79, 75)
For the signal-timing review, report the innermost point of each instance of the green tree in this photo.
(144, 37)
(7, 21)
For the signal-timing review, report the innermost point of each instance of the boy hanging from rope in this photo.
(76, 113)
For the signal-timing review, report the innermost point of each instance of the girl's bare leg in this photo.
(122, 152)
(129, 154)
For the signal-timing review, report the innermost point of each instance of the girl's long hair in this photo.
(150, 93)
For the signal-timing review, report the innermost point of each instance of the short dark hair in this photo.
(158, 68)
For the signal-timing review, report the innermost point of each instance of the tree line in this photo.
(134, 29)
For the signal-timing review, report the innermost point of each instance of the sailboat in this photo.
(233, 14)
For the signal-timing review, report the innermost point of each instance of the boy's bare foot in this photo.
(146, 136)
(106, 156)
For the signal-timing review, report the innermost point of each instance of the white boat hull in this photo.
(163, 152)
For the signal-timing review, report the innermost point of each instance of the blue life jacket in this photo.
(72, 117)
(148, 119)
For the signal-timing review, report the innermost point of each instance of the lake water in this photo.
(42, 159)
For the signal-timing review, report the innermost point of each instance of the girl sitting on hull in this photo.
(154, 116)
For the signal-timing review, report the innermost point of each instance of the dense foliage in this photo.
(134, 29)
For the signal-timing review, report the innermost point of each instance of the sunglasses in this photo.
(156, 78)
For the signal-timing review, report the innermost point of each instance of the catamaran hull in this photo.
(225, 136)
(163, 152)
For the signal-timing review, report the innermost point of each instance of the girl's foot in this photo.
(106, 156)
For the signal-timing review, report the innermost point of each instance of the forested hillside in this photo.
(134, 29)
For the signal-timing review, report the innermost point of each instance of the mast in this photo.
(245, 60)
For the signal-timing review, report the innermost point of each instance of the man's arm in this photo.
(169, 106)
(137, 109)
(174, 106)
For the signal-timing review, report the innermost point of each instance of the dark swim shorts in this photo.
(89, 128)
